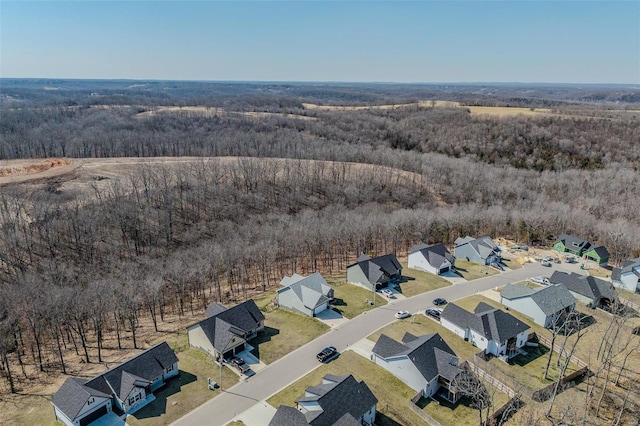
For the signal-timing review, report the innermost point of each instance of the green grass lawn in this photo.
(393, 395)
(461, 413)
(417, 282)
(471, 271)
(351, 300)
(283, 332)
(511, 264)
(419, 325)
(627, 295)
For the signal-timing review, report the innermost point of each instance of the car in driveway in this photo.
(439, 301)
(434, 313)
(540, 280)
(403, 314)
(240, 364)
(388, 293)
(327, 354)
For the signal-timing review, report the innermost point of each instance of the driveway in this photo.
(258, 415)
(331, 318)
(453, 278)
(278, 375)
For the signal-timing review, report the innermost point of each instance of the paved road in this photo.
(223, 408)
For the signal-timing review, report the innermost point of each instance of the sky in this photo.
(329, 41)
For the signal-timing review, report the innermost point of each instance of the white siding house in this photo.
(435, 259)
(627, 276)
(545, 305)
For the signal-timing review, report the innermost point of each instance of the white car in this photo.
(403, 314)
(540, 280)
(388, 293)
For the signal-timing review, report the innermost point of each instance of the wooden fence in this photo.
(557, 348)
(427, 418)
(497, 378)
(567, 382)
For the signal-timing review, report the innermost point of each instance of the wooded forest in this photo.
(306, 190)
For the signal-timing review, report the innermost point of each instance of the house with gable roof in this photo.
(495, 331)
(434, 258)
(545, 305)
(581, 248)
(477, 250)
(338, 400)
(226, 331)
(120, 391)
(424, 363)
(306, 295)
(627, 275)
(589, 290)
(374, 273)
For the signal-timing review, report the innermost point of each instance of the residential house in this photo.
(435, 258)
(375, 272)
(627, 276)
(589, 290)
(120, 391)
(545, 305)
(477, 250)
(581, 248)
(306, 295)
(338, 400)
(424, 363)
(226, 331)
(495, 331)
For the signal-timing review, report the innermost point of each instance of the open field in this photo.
(471, 271)
(416, 282)
(393, 395)
(214, 112)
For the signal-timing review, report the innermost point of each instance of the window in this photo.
(139, 396)
(169, 368)
(131, 401)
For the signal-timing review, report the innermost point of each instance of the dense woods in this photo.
(300, 195)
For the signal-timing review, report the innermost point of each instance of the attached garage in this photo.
(93, 416)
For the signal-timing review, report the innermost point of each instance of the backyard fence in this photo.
(427, 418)
(561, 351)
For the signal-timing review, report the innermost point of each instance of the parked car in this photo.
(545, 262)
(327, 353)
(433, 312)
(388, 293)
(540, 280)
(439, 301)
(570, 258)
(519, 247)
(403, 314)
(240, 364)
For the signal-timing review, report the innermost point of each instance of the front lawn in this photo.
(393, 395)
(511, 264)
(471, 271)
(285, 331)
(416, 282)
(350, 300)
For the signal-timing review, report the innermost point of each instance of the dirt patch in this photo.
(25, 167)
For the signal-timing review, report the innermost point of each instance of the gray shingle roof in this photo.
(601, 251)
(214, 309)
(550, 299)
(144, 368)
(588, 286)
(73, 395)
(435, 254)
(574, 243)
(484, 246)
(631, 265)
(344, 395)
(236, 321)
(288, 416)
(378, 267)
(429, 353)
(312, 291)
(493, 324)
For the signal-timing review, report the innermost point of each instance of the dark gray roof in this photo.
(236, 321)
(288, 416)
(378, 267)
(631, 265)
(435, 254)
(143, 369)
(601, 251)
(429, 353)
(550, 299)
(588, 286)
(343, 395)
(72, 396)
(493, 324)
(574, 243)
(214, 309)
(312, 291)
(484, 246)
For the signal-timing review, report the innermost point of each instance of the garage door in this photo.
(94, 416)
(443, 270)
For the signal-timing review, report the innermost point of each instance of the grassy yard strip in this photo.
(416, 282)
(351, 300)
(283, 332)
(419, 325)
(393, 395)
(627, 295)
(460, 414)
(510, 263)
(471, 271)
